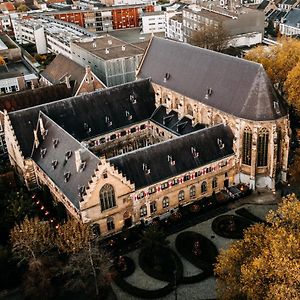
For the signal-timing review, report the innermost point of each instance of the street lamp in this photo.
(175, 283)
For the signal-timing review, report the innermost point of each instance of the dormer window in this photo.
(108, 121)
(132, 99)
(220, 144)
(82, 166)
(194, 152)
(68, 154)
(81, 190)
(45, 133)
(146, 169)
(171, 161)
(54, 164)
(55, 143)
(128, 115)
(43, 152)
(67, 176)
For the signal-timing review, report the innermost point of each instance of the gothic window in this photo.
(189, 110)
(181, 195)
(214, 183)
(152, 207)
(143, 211)
(204, 187)
(107, 197)
(192, 192)
(176, 103)
(110, 224)
(247, 146)
(262, 148)
(166, 202)
(96, 230)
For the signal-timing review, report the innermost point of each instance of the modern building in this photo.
(80, 79)
(48, 34)
(134, 152)
(174, 28)
(153, 22)
(112, 60)
(245, 26)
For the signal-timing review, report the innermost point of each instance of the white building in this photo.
(49, 35)
(153, 22)
(173, 28)
(291, 23)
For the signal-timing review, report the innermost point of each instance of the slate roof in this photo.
(156, 156)
(29, 98)
(65, 143)
(90, 114)
(61, 67)
(172, 121)
(293, 17)
(239, 87)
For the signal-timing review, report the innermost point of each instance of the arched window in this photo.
(262, 147)
(204, 187)
(176, 103)
(189, 110)
(110, 223)
(247, 146)
(153, 207)
(166, 202)
(143, 211)
(214, 183)
(107, 197)
(192, 192)
(96, 230)
(181, 195)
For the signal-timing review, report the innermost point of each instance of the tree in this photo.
(31, 239)
(2, 61)
(22, 8)
(87, 262)
(211, 37)
(266, 263)
(154, 239)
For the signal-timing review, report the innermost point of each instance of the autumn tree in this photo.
(22, 8)
(281, 63)
(31, 242)
(88, 265)
(266, 263)
(211, 37)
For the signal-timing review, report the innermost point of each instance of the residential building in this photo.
(80, 79)
(173, 28)
(112, 60)
(134, 152)
(153, 22)
(290, 24)
(9, 50)
(245, 26)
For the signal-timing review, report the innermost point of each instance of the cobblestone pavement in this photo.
(259, 203)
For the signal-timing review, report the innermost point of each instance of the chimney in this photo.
(123, 48)
(42, 128)
(78, 160)
(106, 51)
(36, 139)
(67, 81)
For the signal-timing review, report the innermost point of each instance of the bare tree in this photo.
(211, 37)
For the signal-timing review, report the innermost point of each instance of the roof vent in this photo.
(94, 45)
(55, 142)
(123, 48)
(54, 164)
(67, 176)
(146, 169)
(171, 161)
(220, 143)
(132, 99)
(81, 190)
(68, 154)
(167, 77)
(106, 51)
(43, 152)
(108, 121)
(109, 42)
(208, 93)
(128, 115)
(194, 152)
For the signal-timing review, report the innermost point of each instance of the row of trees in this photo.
(282, 63)
(68, 256)
(266, 263)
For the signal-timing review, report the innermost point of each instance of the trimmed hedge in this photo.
(184, 244)
(219, 223)
(168, 256)
(141, 293)
(130, 267)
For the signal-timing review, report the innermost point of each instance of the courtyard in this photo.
(255, 206)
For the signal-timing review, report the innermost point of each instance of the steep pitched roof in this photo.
(239, 87)
(29, 98)
(61, 67)
(79, 178)
(90, 114)
(204, 141)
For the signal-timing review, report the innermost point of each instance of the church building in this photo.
(193, 123)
